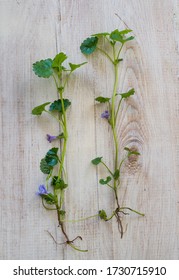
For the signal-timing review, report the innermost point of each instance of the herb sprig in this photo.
(116, 40)
(52, 164)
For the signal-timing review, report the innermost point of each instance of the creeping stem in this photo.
(61, 173)
(65, 132)
(113, 123)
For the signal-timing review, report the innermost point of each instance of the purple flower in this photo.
(42, 190)
(50, 138)
(105, 115)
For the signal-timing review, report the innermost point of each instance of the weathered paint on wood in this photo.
(149, 121)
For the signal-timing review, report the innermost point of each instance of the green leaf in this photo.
(96, 161)
(53, 151)
(103, 34)
(131, 152)
(102, 99)
(43, 68)
(119, 36)
(58, 60)
(116, 36)
(39, 109)
(57, 105)
(127, 149)
(105, 181)
(75, 66)
(89, 45)
(50, 198)
(129, 38)
(103, 215)
(51, 157)
(44, 167)
(127, 94)
(116, 174)
(125, 31)
(58, 183)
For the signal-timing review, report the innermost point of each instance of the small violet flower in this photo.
(42, 190)
(105, 115)
(50, 138)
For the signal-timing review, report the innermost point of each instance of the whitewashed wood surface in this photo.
(37, 29)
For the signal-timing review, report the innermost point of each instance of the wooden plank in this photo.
(32, 30)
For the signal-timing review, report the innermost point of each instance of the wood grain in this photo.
(33, 30)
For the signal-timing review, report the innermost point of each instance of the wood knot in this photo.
(133, 161)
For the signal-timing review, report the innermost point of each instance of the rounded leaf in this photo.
(44, 167)
(89, 45)
(43, 68)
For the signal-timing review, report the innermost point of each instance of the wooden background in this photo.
(37, 29)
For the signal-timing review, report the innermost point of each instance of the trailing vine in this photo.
(115, 41)
(52, 164)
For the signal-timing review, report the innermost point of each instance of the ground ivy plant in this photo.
(52, 192)
(113, 44)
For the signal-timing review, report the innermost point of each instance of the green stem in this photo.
(120, 51)
(132, 210)
(66, 80)
(118, 109)
(110, 186)
(57, 119)
(55, 81)
(107, 168)
(107, 219)
(48, 178)
(114, 114)
(82, 219)
(65, 137)
(46, 206)
(77, 249)
(61, 223)
(61, 198)
(105, 53)
(122, 161)
(113, 124)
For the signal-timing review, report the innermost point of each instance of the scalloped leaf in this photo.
(39, 109)
(97, 160)
(57, 105)
(105, 181)
(75, 66)
(127, 94)
(51, 157)
(44, 167)
(102, 99)
(43, 68)
(116, 36)
(58, 60)
(119, 36)
(89, 45)
(58, 183)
